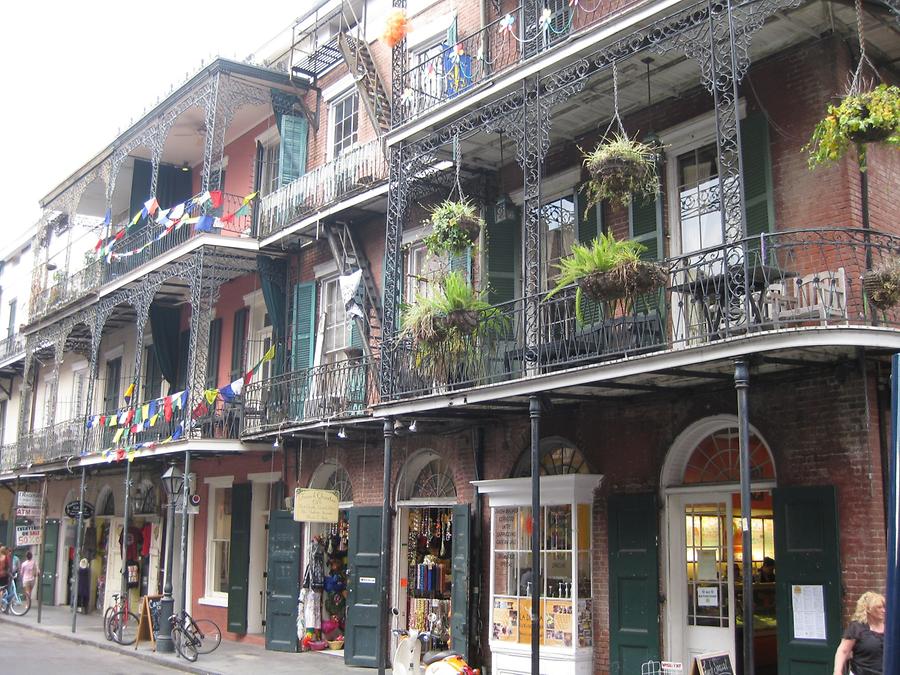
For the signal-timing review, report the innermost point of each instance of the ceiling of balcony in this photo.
(674, 76)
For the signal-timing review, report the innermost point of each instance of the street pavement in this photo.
(51, 647)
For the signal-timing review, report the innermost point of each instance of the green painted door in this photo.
(48, 562)
(459, 590)
(633, 582)
(282, 582)
(807, 560)
(364, 610)
(239, 558)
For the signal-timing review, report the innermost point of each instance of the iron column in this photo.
(385, 543)
(534, 412)
(742, 384)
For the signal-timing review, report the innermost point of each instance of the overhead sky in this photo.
(76, 74)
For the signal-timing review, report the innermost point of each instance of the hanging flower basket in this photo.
(860, 119)
(882, 286)
(465, 321)
(621, 168)
(455, 226)
(627, 280)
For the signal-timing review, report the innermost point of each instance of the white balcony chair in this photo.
(821, 295)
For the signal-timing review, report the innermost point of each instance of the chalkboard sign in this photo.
(714, 663)
(148, 623)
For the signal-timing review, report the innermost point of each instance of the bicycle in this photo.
(192, 637)
(12, 602)
(119, 624)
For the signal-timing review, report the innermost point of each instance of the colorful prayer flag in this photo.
(129, 393)
(215, 196)
(269, 355)
(204, 224)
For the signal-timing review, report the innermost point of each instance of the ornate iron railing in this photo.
(801, 279)
(355, 170)
(9, 456)
(450, 70)
(11, 346)
(335, 391)
(61, 440)
(144, 244)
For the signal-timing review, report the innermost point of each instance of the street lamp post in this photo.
(172, 481)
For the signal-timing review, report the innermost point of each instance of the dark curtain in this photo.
(272, 274)
(165, 325)
(141, 178)
(173, 186)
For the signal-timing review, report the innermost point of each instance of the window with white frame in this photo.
(79, 388)
(344, 123)
(700, 219)
(270, 178)
(558, 223)
(417, 272)
(218, 547)
(428, 86)
(335, 328)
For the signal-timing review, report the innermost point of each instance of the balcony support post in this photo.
(123, 588)
(142, 308)
(185, 498)
(203, 299)
(383, 566)
(393, 263)
(23, 424)
(79, 524)
(534, 413)
(399, 65)
(742, 385)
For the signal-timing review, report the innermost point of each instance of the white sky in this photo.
(75, 74)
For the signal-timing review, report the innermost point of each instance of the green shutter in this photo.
(588, 230)
(462, 262)
(760, 209)
(502, 258)
(282, 581)
(304, 332)
(633, 582)
(807, 552)
(239, 558)
(212, 354)
(646, 228)
(461, 574)
(365, 614)
(292, 153)
(239, 342)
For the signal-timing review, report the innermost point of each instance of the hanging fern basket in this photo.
(621, 168)
(470, 227)
(626, 280)
(882, 286)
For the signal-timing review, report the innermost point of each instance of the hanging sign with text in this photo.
(316, 506)
(28, 535)
(32, 499)
(72, 508)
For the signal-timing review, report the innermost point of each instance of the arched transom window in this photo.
(434, 481)
(558, 458)
(332, 476)
(716, 459)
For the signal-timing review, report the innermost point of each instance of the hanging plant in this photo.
(607, 270)
(882, 285)
(620, 168)
(860, 118)
(395, 28)
(455, 226)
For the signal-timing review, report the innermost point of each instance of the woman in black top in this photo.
(862, 645)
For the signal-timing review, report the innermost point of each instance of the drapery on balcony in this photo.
(139, 247)
(799, 279)
(334, 391)
(354, 171)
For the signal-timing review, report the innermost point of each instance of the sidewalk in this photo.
(230, 657)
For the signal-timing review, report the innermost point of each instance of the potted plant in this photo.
(607, 270)
(621, 167)
(455, 226)
(860, 118)
(882, 285)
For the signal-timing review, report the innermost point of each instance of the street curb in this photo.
(150, 657)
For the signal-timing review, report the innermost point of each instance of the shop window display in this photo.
(323, 596)
(428, 577)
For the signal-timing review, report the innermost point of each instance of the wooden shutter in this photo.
(760, 209)
(633, 582)
(502, 258)
(239, 343)
(461, 569)
(807, 550)
(212, 353)
(588, 229)
(239, 558)
(304, 329)
(282, 581)
(292, 153)
(645, 217)
(364, 610)
(462, 262)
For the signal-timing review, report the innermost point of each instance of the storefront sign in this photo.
(672, 666)
(707, 596)
(28, 499)
(72, 509)
(28, 512)
(28, 535)
(316, 506)
(808, 604)
(714, 663)
(367, 580)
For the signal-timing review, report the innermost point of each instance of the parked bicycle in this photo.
(119, 624)
(11, 601)
(194, 636)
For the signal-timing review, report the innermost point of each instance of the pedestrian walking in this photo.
(29, 571)
(5, 567)
(862, 646)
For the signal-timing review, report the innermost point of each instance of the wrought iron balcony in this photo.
(802, 279)
(354, 171)
(139, 247)
(63, 439)
(9, 456)
(12, 346)
(331, 392)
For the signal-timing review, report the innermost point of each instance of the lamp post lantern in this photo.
(173, 481)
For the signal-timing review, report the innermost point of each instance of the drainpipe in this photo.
(742, 385)
(534, 412)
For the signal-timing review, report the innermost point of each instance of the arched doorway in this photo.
(701, 484)
(426, 515)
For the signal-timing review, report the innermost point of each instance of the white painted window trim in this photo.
(338, 89)
(332, 111)
(426, 35)
(553, 187)
(325, 269)
(264, 477)
(213, 598)
(114, 353)
(269, 137)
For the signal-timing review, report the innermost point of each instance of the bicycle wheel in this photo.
(207, 634)
(19, 605)
(107, 617)
(184, 644)
(124, 626)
